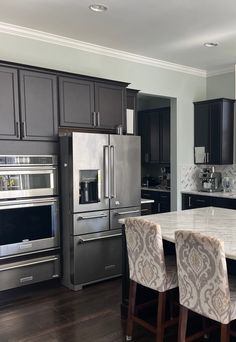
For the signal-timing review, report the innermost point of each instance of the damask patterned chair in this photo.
(204, 286)
(148, 267)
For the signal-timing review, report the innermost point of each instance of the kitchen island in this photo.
(217, 222)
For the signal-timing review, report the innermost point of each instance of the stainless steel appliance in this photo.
(29, 219)
(210, 180)
(100, 184)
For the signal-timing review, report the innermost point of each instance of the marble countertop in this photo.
(217, 222)
(154, 189)
(211, 194)
(145, 200)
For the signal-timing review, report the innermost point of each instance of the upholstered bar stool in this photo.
(204, 286)
(148, 267)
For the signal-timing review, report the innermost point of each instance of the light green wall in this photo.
(185, 88)
(221, 86)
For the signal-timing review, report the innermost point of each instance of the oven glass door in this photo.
(28, 183)
(26, 227)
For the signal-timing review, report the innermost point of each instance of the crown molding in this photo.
(221, 71)
(97, 49)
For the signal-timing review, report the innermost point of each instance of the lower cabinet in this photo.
(199, 201)
(161, 201)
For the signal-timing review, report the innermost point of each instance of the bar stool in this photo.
(204, 286)
(148, 267)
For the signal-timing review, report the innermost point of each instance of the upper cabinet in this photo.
(9, 104)
(131, 111)
(36, 118)
(213, 131)
(91, 104)
(154, 128)
(38, 94)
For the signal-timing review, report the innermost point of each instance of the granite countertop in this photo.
(155, 189)
(217, 222)
(145, 200)
(211, 194)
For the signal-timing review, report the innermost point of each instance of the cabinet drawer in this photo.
(29, 271)
(98, 257)
(196, 201)
(90, 222)
(117, 214)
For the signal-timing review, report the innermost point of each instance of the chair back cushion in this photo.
(145, 253)
(202, 274)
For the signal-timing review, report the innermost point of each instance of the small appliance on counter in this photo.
(210, 180)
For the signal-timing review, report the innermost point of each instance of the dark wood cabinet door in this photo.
(110, 105)
(165, 135)
(76, 102)
(215, 110)
(9, 104)
(154, 137)
(202, 128)
(144, 132)
(39, 110)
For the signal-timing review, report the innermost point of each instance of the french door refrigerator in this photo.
(100, 184)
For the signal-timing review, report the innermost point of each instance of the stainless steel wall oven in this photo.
(29, 219)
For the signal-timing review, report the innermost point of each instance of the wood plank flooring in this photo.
(51, 313)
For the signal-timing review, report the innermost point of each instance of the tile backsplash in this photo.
(190, 175)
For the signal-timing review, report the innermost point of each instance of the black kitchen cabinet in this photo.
(34, 117)
(190, 201)
(161, 200)
(38, 94)
(9, 104)
(89, 104)
(195, 201)
(154, 128)
(213, 130)
(131, 103)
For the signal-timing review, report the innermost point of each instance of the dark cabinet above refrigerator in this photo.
(213, 131)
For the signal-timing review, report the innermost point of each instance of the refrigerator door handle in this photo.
(83, 240)
(80, 218)
(112, 171)
(128, 212)
(106, 171)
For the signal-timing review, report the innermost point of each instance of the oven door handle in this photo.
(28, 264)
(84, 240)
(128, 212)
(13, 204)
(29, 171)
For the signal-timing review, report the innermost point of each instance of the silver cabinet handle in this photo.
(23, 129)
(17, 130)
(128, 212)
(208, 157)
(159, 207)
(98, 118)
(189, 202)
(83, 240)
(94, 119)
(80, 218)
(146, 157)
(26, 279)
(201, 201)
(107, 172)
(28, 264)
(112, 172)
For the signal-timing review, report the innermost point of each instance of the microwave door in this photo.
(125, 171)
(90, 172)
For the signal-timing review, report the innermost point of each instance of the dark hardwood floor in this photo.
(51, 313)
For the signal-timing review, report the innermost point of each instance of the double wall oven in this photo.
(29, 220)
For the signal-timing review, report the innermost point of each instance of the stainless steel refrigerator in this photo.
(100, 178)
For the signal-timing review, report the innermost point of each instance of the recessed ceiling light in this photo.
(209, 44)
(98, 8)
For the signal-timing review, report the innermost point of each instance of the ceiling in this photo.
(168, 30)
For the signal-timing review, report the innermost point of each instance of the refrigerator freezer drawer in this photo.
(90, 222)
(96, 257)
(29, 271)
(117, 214)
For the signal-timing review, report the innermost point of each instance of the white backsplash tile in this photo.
(190, 175)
